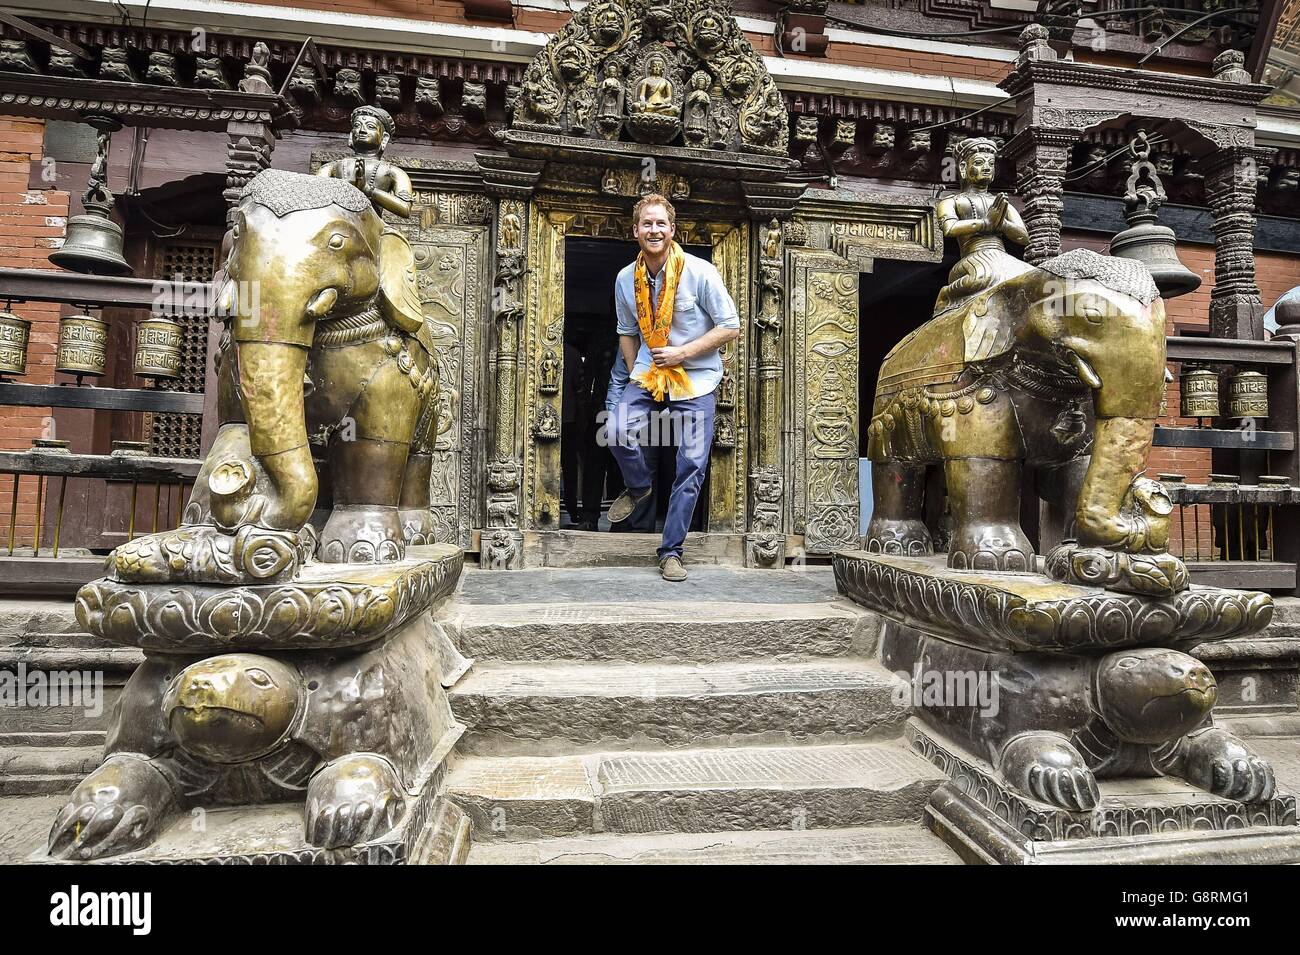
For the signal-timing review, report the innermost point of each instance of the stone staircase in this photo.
(739, 716)
(43, 748)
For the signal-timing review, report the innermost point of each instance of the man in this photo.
(674, 314)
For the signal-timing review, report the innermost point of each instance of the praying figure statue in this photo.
(655, 93)
(980, 221)
(387, 186)
(695, 127)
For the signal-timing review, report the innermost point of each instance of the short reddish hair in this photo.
(654, 199)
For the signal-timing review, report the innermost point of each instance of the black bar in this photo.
(1228, 350)
(1243, 574)
(1224, 438)
(105, 399)
(110, 467)
(72, 288)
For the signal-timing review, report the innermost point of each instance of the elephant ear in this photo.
(399, 294)
(986, 333)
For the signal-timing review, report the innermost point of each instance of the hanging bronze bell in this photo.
(15, 333)
(1153, 246)
(158, 348)
(1144, 241)
(83, 345)
(1248, 395)
(93, 244)
(1199, 393)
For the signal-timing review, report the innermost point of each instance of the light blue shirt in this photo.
(618, 379)
(703, 303)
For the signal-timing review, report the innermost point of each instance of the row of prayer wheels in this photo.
(1199, 389)
(83, 346)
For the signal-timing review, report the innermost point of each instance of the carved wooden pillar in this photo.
(1041, 156)
(248, 150)
(502, 542)
(1230, 178)
(765, 542)
(510, 182)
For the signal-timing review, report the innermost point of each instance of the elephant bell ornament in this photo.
(1144, 241)
(93, 243)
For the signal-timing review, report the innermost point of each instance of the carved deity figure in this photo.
(979, 221)
(610, 114)
(695, 115)
(387, 186)
(764, 123)
(655, 92)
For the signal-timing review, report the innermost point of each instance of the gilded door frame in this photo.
(822, 409)
(550, 222)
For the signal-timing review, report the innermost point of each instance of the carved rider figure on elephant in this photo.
(329, 365)
(1058, 368)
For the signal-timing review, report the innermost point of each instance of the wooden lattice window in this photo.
(179, 435)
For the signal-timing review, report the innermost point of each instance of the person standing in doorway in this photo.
(674, 314)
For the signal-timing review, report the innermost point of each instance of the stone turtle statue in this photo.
(1060, 721)
(352, 735)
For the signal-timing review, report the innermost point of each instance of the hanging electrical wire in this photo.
(1126, 148)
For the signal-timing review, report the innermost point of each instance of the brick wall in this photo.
(32, 222)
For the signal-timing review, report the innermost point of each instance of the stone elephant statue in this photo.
(1059, 368)
(328, 397)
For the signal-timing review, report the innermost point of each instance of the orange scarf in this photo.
(655, 325)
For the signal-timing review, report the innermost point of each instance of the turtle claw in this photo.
(354, 799)
(116, 809)
(1218, 762)
(1046, 767)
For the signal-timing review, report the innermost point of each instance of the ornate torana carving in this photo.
(659, 71)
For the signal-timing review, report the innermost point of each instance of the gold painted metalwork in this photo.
(1027, 367)
(15, 333)
(83, 345)
(1248, 395)
(1199, 392)
(823, 373)
(329, 348)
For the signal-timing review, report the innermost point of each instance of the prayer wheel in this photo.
(83, 345)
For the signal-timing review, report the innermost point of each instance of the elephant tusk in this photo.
(322, 302)
(1086, 372)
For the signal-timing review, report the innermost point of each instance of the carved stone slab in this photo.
(1029, 612)
(1137, 820)
(328, 606)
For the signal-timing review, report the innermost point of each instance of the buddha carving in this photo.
(655, 92)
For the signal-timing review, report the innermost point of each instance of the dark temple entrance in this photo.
(590, 478)
(896, 298)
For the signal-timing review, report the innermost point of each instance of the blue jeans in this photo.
(638, 422)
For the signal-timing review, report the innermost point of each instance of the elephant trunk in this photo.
(271, 384)
(1119, 452)
(1128, 377)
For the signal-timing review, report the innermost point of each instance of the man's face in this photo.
(653, 231)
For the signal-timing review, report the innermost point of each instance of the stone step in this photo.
(35, 770)
(747, 788)
(628, 614)
(871, 845)
(538, 708)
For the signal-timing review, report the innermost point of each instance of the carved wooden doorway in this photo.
(540, 391)
(822, 412)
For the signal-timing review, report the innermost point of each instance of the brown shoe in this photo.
(622, 508)
(672, 569)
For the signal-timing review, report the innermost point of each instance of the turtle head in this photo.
(234, 707)
(1152, 694)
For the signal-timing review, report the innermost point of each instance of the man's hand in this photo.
(668, 356)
